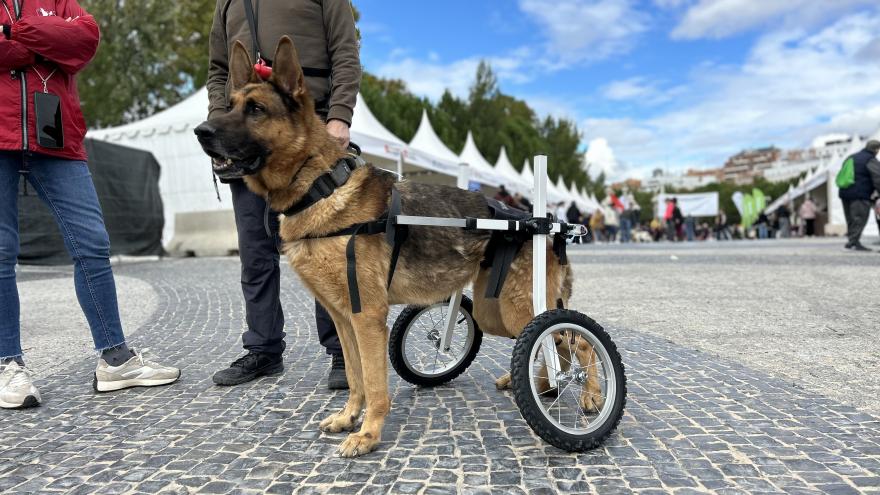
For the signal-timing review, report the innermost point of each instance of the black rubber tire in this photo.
(395, 347)
(522, 389)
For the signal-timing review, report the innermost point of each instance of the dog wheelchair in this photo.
(566, 373)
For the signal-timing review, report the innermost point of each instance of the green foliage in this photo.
(152, 54)
(496, 120)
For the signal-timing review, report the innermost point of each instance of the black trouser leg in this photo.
(327, 331)
(260, 272)
(859, 210)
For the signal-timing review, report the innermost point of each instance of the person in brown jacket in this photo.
(326, 41)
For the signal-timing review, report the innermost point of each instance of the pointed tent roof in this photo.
(364, 122)
(426, 140)
(527, 174)
(482, 170)
(504, 167)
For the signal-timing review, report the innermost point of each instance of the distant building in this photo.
(691, 179)
(630, 184)
(743, 167)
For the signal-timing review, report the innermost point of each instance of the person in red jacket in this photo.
(44, 43)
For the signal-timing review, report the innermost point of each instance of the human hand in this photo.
(339, 130)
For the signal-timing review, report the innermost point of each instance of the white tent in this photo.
(515, 182)
(428, 150)
(558, 192)
(481, 170)
(528, 177)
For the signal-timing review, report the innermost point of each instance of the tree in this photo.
(152, 54)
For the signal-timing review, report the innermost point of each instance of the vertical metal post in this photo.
(464, 176)
(400, 163)
(455, 298)
(539, 267)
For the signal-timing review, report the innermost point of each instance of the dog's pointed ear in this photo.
(287, 72)
(241, 69)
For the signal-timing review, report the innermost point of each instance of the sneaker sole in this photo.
(29, 402)
(273, 370)
(100, 386)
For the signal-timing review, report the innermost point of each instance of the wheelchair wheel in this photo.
(588, 401)
(414, 343)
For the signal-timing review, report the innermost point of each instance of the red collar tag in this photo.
(263, 70)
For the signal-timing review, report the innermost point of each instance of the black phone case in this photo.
(50, 133)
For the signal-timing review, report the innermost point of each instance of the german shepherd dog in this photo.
(272, 138)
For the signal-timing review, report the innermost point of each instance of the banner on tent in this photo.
(697, 204)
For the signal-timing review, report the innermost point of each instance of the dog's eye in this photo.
(255, 108)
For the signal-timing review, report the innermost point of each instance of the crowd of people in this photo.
(619, 219)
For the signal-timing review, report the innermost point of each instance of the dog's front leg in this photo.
(346, 419)
(371, 334)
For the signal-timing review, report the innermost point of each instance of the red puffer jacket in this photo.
(64, 37)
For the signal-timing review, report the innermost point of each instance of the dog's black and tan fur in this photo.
(272, 128)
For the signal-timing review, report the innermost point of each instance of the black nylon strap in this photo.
(395, 234)
(252, 24)
(559, 248)
(323, 186)
(505, 250)
(316, 72)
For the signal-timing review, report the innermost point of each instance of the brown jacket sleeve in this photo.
(874, 171)
(345, 62)
(218, 69)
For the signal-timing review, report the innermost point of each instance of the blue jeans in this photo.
(625, 228)
(762, 231)
(66, 187)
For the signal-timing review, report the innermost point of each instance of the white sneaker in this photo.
(136, 372)
(17, 391)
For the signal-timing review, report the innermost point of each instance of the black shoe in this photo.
(848, 245)
(248, 367)
(337, 380)
(859, 247)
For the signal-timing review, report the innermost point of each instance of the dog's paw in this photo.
(592, 402)
(338, 422)
(358, 444)
(503, 383)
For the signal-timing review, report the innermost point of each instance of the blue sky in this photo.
(652, 83)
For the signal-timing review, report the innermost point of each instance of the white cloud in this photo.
(634, 88)
(721, 18)
(586, 30)
(600, 158)
(432, 77)
(792, 87)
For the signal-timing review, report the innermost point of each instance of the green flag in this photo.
(760, 201)
(748, 214)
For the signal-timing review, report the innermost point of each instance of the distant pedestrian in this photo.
(677, 219)
(857, 197)
(722, 233)
(807, 212)
(668, 218)
(761, 225)
(597, 225)
(783, 216)
(690, 227)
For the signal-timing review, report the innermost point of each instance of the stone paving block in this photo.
(694, 423)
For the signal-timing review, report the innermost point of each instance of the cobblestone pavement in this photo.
(694, 422)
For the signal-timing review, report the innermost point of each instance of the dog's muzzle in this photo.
(226, 167)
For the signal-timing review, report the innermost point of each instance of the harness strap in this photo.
(366, 228)
(324, 185)
(395, 234)
(500, 252)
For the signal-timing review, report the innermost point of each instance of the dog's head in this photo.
(266, 127)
